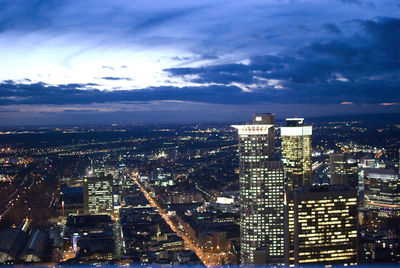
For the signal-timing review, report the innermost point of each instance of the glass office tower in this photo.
(296, 153)
(382, 191)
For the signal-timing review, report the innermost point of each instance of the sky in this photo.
(101, 61)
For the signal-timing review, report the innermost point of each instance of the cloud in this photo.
(368, 4)
(107, 67)
(332, 28)
(116, 78)
(385, 36)
(389, 104)
(40, 93)
(210, 52)
(358, 2)
(361, 68)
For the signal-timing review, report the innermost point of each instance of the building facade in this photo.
(296, 153)
(344, 170)
(382, 191)
(98, 195)
(261, 192)
(321, 226)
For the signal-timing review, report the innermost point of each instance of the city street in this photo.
(208, 259)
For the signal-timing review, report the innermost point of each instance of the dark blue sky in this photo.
(77, 61)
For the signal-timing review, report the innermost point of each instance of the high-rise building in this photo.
(261, 192)
(382, 191)
(296, 153)
(98, 195)
(398, 164)
(344, 170)
(321, 226)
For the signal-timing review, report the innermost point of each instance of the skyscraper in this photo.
(322, 226)
(382, 191)
(97, 195)
(398, 164)
(261, 192)
(344, 170)
(296, 153)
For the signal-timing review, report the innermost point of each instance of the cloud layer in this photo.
(363, 68)
(333, 52)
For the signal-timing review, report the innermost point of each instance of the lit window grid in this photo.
(100, 197)
(382, 195)
(296, 150)
(261, 199)
(326, 231)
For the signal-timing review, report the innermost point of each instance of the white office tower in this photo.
(261, 193)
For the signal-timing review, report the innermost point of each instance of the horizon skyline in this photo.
(278, 118)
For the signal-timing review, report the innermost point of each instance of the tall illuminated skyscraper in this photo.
(296, 153)
(261, 192)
